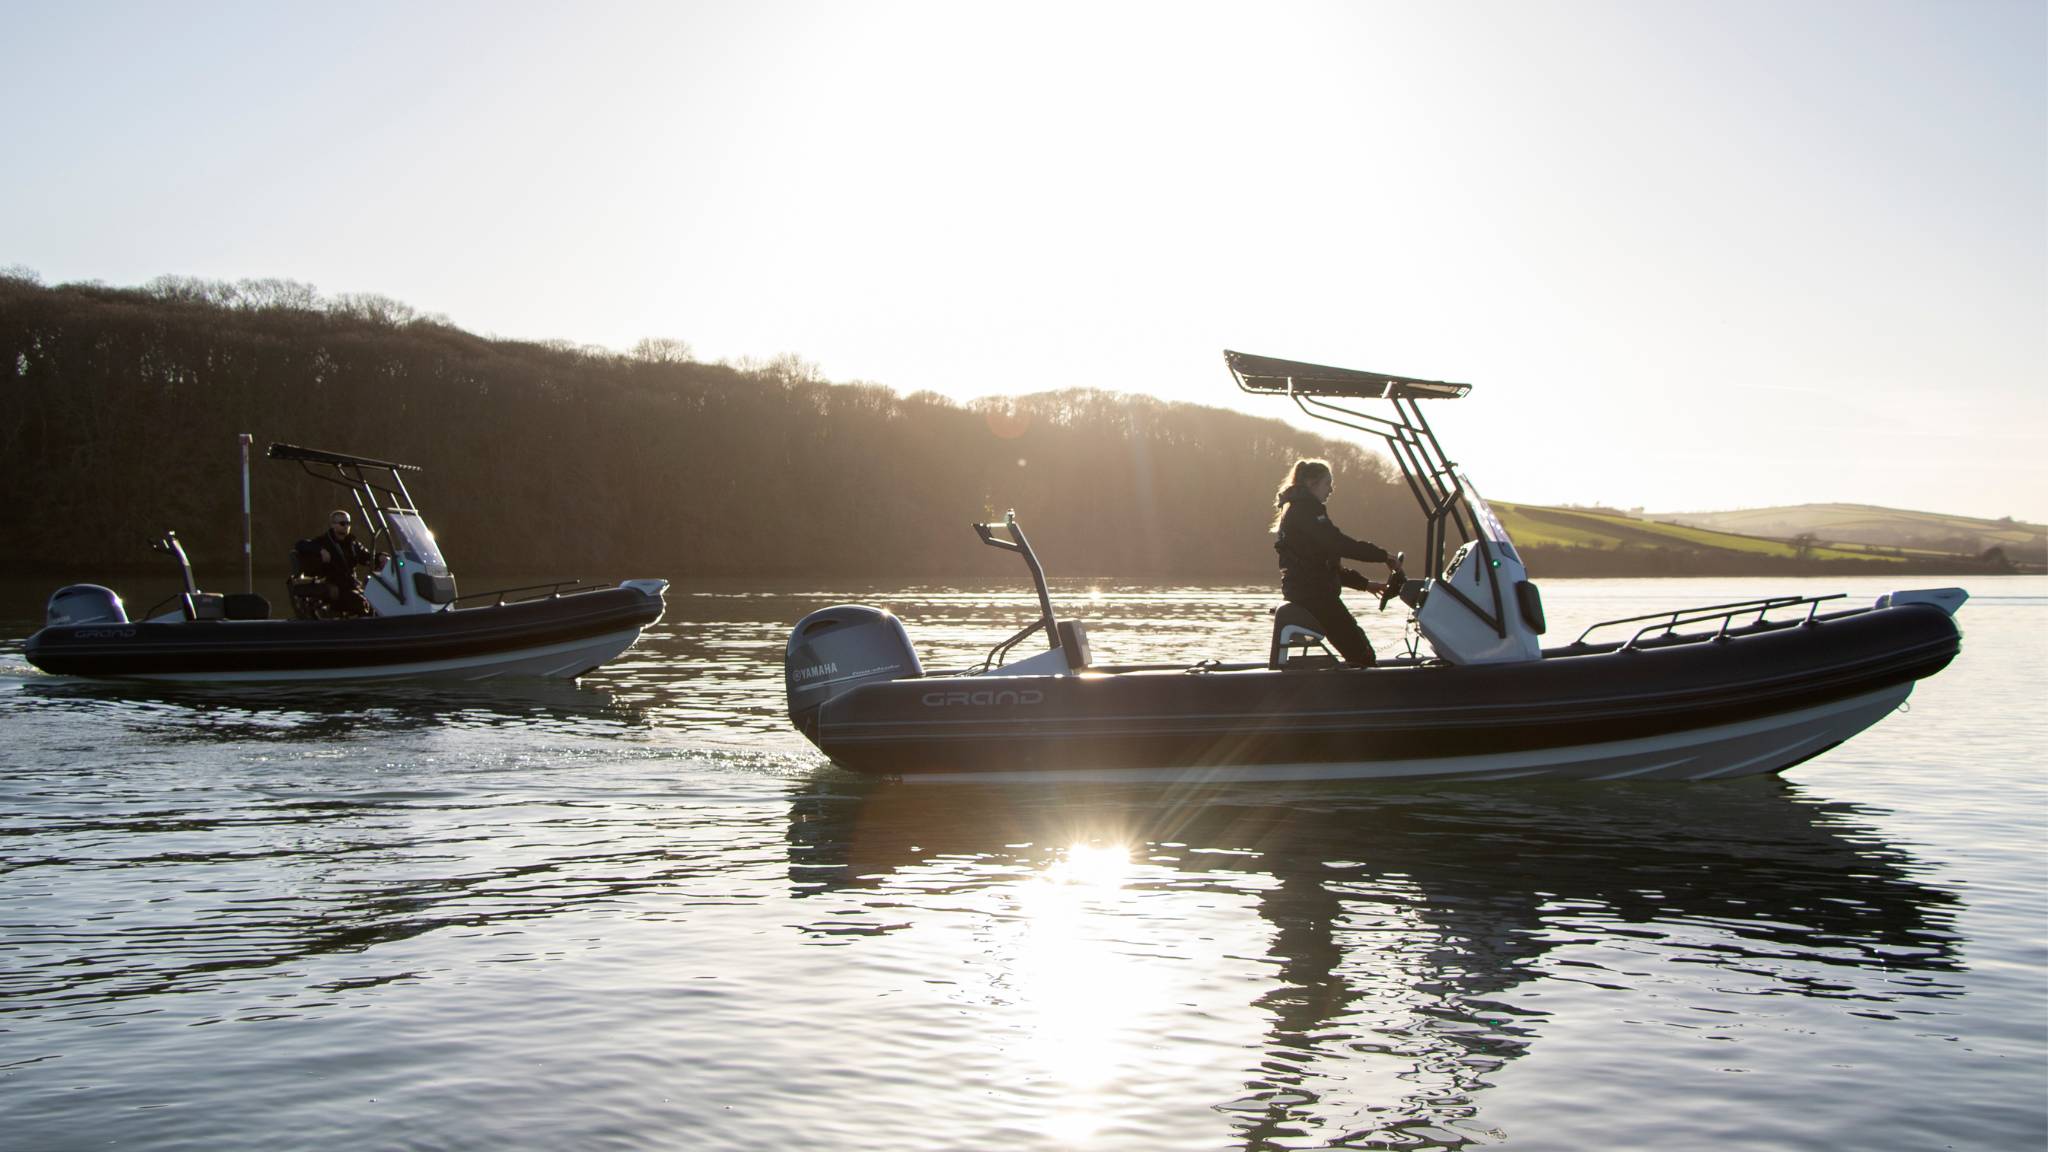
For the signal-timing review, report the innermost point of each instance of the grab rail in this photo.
(1665, 622)
(554, 589)
(1001, 652)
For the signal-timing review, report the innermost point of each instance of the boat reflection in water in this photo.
(1403, 943)
(321, 714)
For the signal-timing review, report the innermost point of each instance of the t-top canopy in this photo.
(317, 456)
(1266, 374)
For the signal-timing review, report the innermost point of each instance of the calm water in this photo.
(640, 912)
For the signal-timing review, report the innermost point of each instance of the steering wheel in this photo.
(1396, 579)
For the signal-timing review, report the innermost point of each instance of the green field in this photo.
(1868, 526)
(1534, 526)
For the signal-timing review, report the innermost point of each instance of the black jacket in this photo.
(339, 566)
(1312, 551)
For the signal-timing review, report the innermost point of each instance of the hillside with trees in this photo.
(121, 408)
(1610, 542)
(1880, 531)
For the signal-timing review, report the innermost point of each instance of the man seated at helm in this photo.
(335, 555)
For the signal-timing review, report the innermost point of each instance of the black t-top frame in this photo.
(375, 485)
(1432, 476)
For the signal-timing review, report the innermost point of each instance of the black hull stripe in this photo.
(1836, 682)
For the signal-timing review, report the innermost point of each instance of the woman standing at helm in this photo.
(1312, 551)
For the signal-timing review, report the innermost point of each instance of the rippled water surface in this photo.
(639, 911)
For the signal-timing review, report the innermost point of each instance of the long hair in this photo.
(1304, 473)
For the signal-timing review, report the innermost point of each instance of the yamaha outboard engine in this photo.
(835, 650)
(84, 604)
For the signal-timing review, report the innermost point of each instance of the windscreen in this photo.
(1483, 517)
(414, 543)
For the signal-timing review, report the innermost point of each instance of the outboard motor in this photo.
(835, 650)
(84, 604)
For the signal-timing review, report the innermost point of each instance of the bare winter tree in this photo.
(662, 350)
(270, 292)
(376, 309)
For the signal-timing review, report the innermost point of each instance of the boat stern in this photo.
(834, 650)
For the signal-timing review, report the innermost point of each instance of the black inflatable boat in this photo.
(417, 624)
(1723, 690)
(557, 636)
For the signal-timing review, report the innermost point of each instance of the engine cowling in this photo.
(835, 650)
(84, 604)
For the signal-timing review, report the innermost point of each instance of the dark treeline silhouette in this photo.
(121, 407)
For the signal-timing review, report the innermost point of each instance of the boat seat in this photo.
(303, 589)
(1296, 631)
(245, 606)
(202, 605)
(311, 597)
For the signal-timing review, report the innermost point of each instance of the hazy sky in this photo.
(1691, 255)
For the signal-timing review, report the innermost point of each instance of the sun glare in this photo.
(1094, 865)
(1083, 992)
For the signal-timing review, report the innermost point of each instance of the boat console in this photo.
(1482, 609)
(410, 576)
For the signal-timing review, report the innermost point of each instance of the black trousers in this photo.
(347, 600)
(1339, 627)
